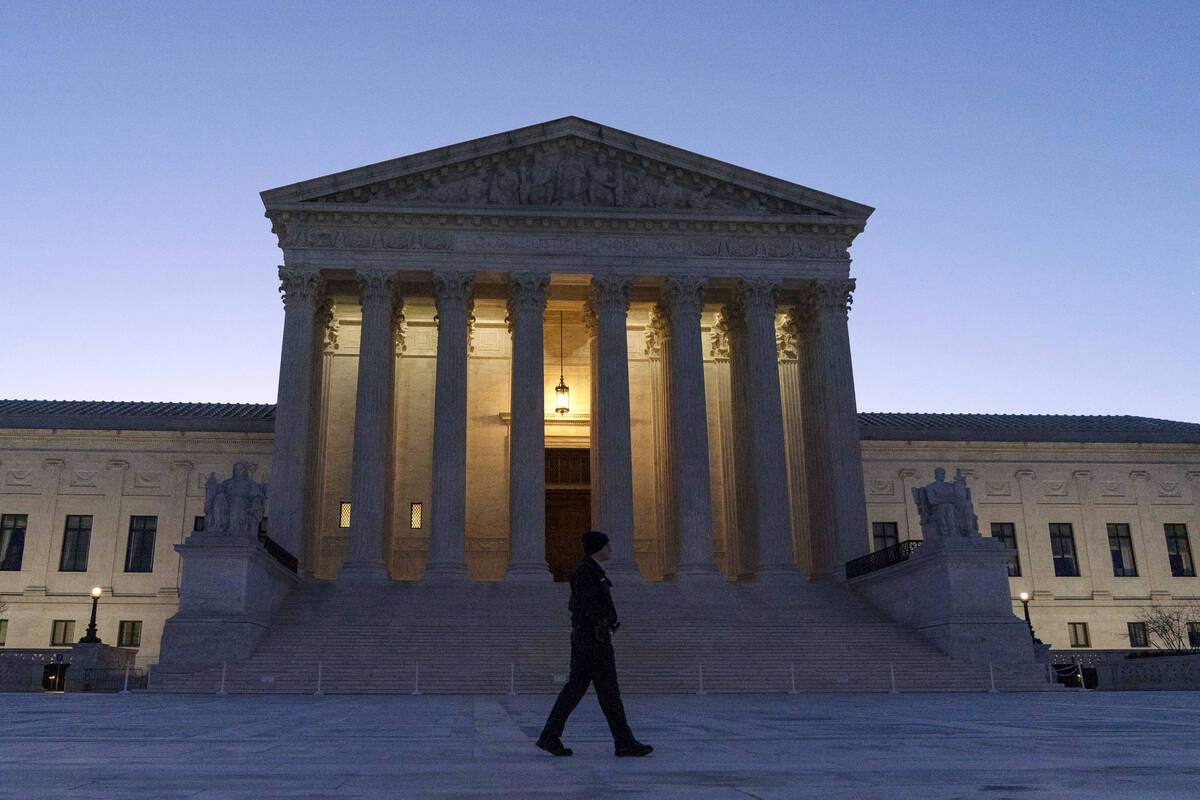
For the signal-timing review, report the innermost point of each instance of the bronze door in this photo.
(568, 508)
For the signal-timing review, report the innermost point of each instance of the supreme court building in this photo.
(492, 346)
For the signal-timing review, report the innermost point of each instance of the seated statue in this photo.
(946, 508)
(234, 507)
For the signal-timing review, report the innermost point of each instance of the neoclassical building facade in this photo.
(492, 346)
(426, 296)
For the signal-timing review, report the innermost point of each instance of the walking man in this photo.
(593, 620)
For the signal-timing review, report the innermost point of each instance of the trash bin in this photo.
(54, 677)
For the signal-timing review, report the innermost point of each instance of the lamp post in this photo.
(1025, 602)
(90, 637)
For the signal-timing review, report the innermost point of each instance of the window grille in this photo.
(415, 514)
(344, 516)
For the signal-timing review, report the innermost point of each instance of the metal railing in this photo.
(278, 552)
(881, 558)
(113, 680)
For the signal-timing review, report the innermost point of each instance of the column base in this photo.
(363, 572)
(625, 569)
(698, 572)
(778, 574)
(528, 573)
(446, 573)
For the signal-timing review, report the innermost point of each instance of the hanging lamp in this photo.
(561, 392)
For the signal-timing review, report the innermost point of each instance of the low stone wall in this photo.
(1151, 674)
(21, 668)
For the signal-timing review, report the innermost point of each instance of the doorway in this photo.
(568, 507)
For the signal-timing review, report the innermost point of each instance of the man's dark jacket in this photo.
(591, 603)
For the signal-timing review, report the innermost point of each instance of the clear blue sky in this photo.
(1035, 166)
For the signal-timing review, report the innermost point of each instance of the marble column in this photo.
(658, 352)
(790, 386)
(371, 467)
(527, 437)
(719, 349)
(682, 303)
(825, 547)
(769, 459)
(744, 529)
(291, 463)
(609, 304)
(453, 297)
(841, 419)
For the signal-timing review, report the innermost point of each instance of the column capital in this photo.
(526, 293)
(453, 290)
(300, 286)
(376, 287)
(834, 295)
(658, 329)
(399, 330)
(758, 295)
(683, 294)
(787, 338)
(610, 293)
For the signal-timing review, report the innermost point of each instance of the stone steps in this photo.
(490, 638)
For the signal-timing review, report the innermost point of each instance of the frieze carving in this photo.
(569, 173)
(352, 237)
(300, 286)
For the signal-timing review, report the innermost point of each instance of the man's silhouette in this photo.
(593, 619)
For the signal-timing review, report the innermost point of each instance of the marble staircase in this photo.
(493, 638)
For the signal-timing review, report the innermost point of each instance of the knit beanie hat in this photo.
(593, 542)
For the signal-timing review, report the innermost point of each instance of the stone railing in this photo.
(881, 558)
(1180, 672)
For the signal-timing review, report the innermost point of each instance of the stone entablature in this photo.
(568, 196)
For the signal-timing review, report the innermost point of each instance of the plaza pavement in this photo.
(1055, 745)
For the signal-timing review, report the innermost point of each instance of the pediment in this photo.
(565, 165)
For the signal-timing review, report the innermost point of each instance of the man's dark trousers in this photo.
(592, 661)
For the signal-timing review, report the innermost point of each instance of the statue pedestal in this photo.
(954, 592)
(229, 591)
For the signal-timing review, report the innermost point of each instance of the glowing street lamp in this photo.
(1025, 602)
(91, 637)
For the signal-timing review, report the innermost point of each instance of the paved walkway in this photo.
(1061, 745)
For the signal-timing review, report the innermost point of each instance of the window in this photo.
(344, 516)
(198, 523)
(1193, 629)
(414, 516)
(262, 527)
(1006, 532)
(1179, 552)
(139, 551)
(76, 538)
(12, 541)
(129, 633)
(1079, 634)
(62, 633)
(1062, 544)
(884, 535)
(1121, 547)
(1138, 635)
(3, 631)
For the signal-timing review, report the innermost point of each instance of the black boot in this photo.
(554, 746)
(634, 749)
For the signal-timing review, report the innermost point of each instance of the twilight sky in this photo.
(1035, 169)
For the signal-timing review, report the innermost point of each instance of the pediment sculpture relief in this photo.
(573, 174)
